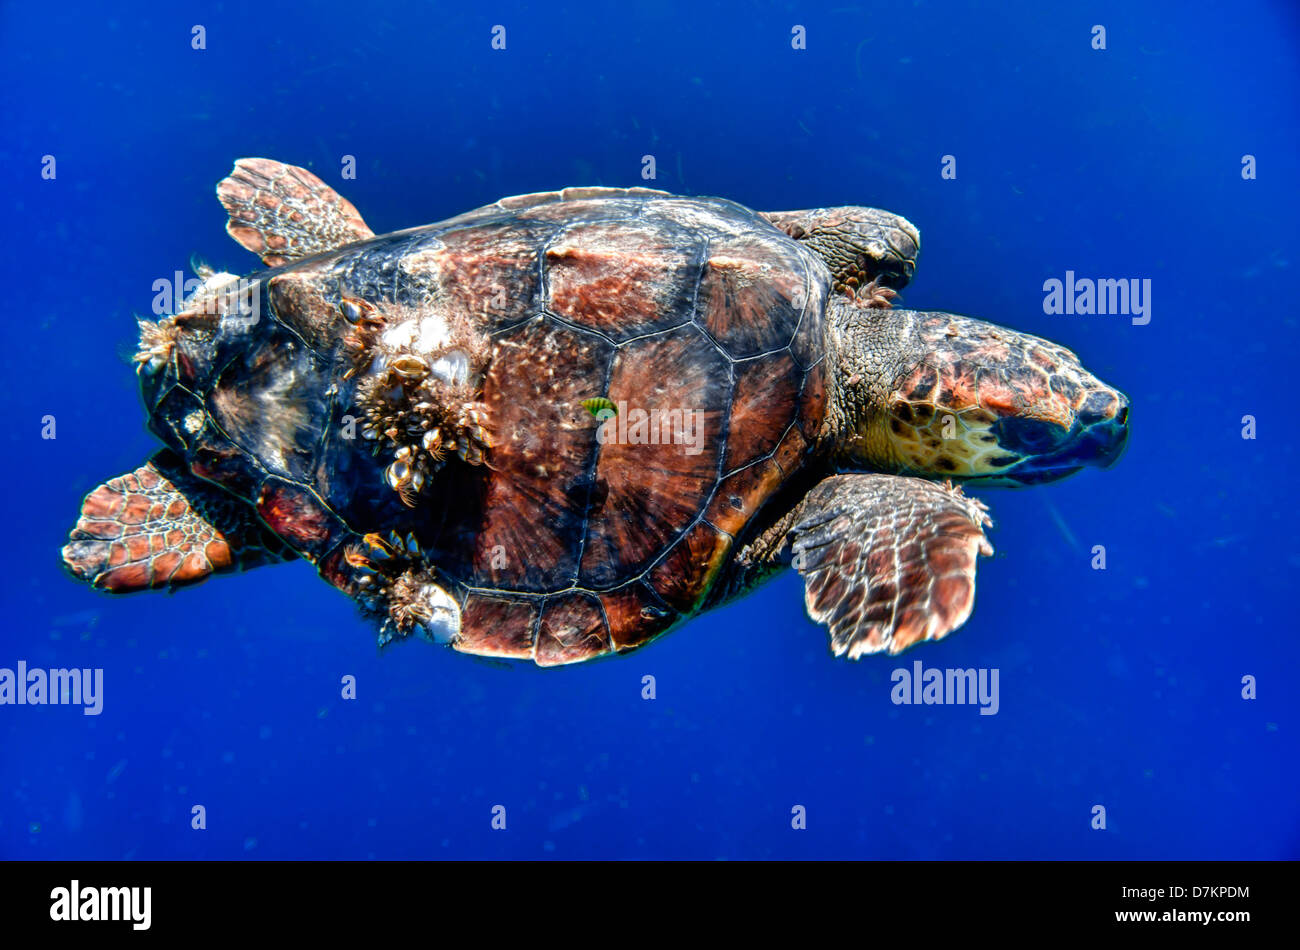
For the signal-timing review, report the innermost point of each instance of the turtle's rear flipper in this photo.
(283, 213)
(160, 526)
(887, 561)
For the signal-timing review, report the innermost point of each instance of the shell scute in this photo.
(489, 273)
(572, 628)
(621, 278)
(753, 294)
(755, 428)
(635, 616)
(741, 494)
(686, 573)
(497, 626)
(659, 459)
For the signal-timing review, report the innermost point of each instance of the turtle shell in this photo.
(593, 537)
(699, 321)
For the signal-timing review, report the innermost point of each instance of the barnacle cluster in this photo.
(418, 397)
(396, 588)
(364, 325)
(157, 341)
(218, 294)
(420, 418)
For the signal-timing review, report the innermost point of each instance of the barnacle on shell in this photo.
(420, 418)
(396, 587)
(157, 342)
(418, 397)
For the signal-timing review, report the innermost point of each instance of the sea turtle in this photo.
(556, 426)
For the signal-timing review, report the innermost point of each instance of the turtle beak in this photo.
(1097, 436)
(1108, 433)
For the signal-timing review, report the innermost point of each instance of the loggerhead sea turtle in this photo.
(556, 426)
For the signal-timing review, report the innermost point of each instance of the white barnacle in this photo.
(420, 334)
(452, 367)
(208, 295)
(399, 335)
(443, 619)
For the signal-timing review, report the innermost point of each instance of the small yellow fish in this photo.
(599, 404)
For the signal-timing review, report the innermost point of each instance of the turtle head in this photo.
(972, 401)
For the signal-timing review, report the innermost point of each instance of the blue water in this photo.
(1120, 688)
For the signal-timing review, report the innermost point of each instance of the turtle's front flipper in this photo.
(887, 561)
(160, 526)
(867, 250)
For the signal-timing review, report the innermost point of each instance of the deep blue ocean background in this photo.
(1119, 688)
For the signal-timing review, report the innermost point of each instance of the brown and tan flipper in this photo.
(160, 526)
(282, 213)
(887, 561)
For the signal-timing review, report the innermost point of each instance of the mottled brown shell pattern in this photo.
(586, 544)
